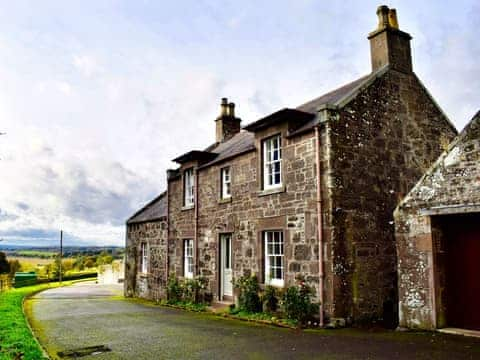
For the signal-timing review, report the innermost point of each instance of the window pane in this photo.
(277, 179)
(278, 273)
(275, 155)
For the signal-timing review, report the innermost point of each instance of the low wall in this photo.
(112, 274)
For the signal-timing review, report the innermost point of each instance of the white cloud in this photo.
(86, 64)
(96, 100)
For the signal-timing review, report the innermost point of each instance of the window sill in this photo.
(225, 200)
(272, 191)
(188, 207)
(275, 285)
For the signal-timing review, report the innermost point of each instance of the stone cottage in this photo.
(438, 240)
(308, 191)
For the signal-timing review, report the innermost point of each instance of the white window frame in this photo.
(274, 246)
(188, 258)
(188, 187)
(144, 258)
(272, 157)
(226, 177)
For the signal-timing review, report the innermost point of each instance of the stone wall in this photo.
(250, 211)
(150, 285)
(452, 185)
(382, 142)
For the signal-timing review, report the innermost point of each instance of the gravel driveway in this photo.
(88, 314)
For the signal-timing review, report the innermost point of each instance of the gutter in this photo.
(319, 226)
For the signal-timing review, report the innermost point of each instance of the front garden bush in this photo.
(297, 303)
(174, 290)
(270, 299)
(187, 291)
(248, 299)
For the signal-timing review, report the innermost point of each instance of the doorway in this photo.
(461, 236)
(226, 286)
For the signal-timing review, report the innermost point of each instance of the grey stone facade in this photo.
(376, 137)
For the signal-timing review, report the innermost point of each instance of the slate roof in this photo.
(242, 142)
(333, 97)
(154, 210)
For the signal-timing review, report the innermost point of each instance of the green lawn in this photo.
(16, 340)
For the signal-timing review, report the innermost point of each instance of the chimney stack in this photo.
(227, 125)
(388, 44)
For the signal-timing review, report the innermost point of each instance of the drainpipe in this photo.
(167, 264)
(195, 235)
(319, 225)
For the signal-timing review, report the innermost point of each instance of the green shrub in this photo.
(248, 299)
(297, 303)
(194, 290)
(270, 299)
(191, 291)
(174, 290)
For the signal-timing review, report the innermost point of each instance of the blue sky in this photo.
(97, 97)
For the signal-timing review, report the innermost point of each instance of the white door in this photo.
(226, 264)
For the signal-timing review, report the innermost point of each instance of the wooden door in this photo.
(463, 272)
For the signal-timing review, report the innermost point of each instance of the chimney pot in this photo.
(382, 13)
(392, 19)
(224, 107)
(231, 109)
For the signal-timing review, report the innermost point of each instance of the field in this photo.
(36, 253)
(31, 262)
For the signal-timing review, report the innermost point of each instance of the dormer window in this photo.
(272, 162)
(226, 179)
(188, 187)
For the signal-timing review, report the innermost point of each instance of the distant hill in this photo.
(68, 251)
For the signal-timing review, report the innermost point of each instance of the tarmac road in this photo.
(88, 314)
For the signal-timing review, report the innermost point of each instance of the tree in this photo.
(89, 262)
(15, 266)
(79, 263)
(4, 265)
(104, 258)
(56, 268)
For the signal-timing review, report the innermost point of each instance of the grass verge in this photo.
(16, 339)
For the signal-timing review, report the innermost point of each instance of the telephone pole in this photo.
(61, 254)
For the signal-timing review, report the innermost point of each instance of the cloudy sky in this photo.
(96, 97)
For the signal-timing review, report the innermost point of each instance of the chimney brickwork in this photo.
(227, 125)
(388, 44)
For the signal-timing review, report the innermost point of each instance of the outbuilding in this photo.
(438, 240)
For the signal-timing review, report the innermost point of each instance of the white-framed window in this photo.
(144, 258)
(188, 258)
(188, 187)
(226, 182)
(272, 162)
(274, 259)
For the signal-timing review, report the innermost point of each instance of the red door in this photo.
(463, 272)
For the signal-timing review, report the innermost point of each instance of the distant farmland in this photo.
(31, 262)
(34, 254)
